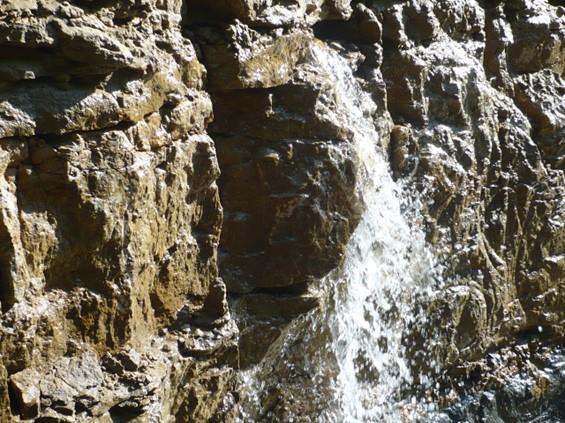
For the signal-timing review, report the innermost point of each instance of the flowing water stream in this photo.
(346, 362)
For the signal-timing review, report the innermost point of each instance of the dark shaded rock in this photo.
(522, 383)
(287, 182)
(363, 27)
(278, 205)
(263, 317)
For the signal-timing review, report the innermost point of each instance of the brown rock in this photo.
(111, 216)
(109, 212)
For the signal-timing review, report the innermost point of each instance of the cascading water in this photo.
(345, 362)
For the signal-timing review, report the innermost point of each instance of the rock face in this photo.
(288, 168)
(119, 238)
(109, 217)
(483, 117)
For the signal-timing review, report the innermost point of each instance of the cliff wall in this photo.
(156, 154)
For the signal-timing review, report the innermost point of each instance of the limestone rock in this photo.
(159, 158)
(109, 214)
(287, 181)
(485, 154)
(467, 100)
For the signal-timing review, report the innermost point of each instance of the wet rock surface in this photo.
(490, 171)
(156, 156)
(288, 175)
(521, 383)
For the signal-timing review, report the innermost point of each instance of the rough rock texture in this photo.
(470, 104)
(113, 308)
(476, 102)
(482, 114)
(522, 382)
(288, 168)
(109, 217)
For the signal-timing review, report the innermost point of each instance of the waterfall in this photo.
(345, 362)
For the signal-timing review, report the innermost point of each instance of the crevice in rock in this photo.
(15, 407)
(7, 289)
(7, 297)
(290, 290)
(122, 413)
